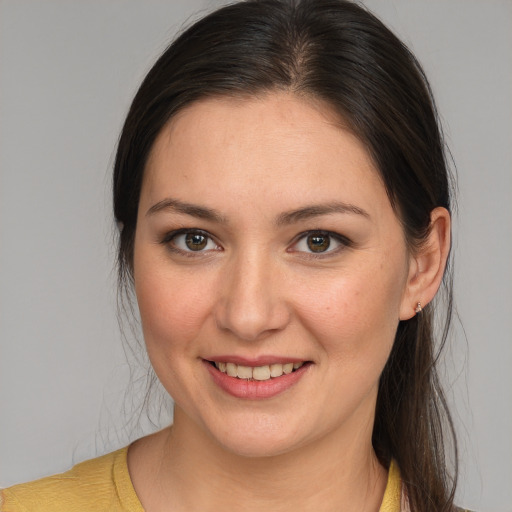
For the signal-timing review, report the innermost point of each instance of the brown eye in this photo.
(196, 241)
(318, 242)
(190, 242)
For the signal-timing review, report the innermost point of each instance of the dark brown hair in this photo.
(338, 52)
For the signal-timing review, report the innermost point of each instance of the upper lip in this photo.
(262, 360)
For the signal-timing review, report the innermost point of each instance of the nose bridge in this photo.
(251, 304)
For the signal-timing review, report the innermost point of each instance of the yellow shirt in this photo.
(103, 485)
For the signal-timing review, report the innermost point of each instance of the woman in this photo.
(284, 209)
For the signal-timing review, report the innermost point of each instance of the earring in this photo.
(418, 308)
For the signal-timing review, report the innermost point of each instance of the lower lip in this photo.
(255, 389)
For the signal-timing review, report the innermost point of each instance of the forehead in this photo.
(274, 146)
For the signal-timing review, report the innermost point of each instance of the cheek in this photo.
(173, 306)
(354, 315)
(174, 311)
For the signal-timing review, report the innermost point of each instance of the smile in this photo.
(256, 381)
(260, 373)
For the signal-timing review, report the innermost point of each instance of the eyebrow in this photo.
(285, 218)
(309, 212)
(193, 210)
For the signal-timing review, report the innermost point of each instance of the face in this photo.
(265, 238)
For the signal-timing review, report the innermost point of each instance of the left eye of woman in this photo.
(319, 242)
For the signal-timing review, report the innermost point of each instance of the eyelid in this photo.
(171, 235)
(343, 241)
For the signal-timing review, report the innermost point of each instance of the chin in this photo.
(265, 437)
(257, 447)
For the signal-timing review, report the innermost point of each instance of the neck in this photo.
(196, 473)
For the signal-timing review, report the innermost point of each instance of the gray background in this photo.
(68, 72)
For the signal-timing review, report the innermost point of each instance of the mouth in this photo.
(255, 380)
(257, 373)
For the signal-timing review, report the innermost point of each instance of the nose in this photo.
(251, 303)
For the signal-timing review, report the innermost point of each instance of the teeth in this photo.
(244, 372)
(258, 372)
(261, 373)
(287, 368)
(231, 370)
(276, 370)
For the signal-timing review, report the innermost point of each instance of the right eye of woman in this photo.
(190, 241)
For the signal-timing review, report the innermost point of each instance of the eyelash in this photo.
(344, 242)
(169, 241)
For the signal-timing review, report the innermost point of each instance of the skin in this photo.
(258, 289)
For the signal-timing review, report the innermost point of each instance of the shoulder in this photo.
(98, 484)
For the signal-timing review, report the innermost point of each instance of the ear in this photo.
(426, 266)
